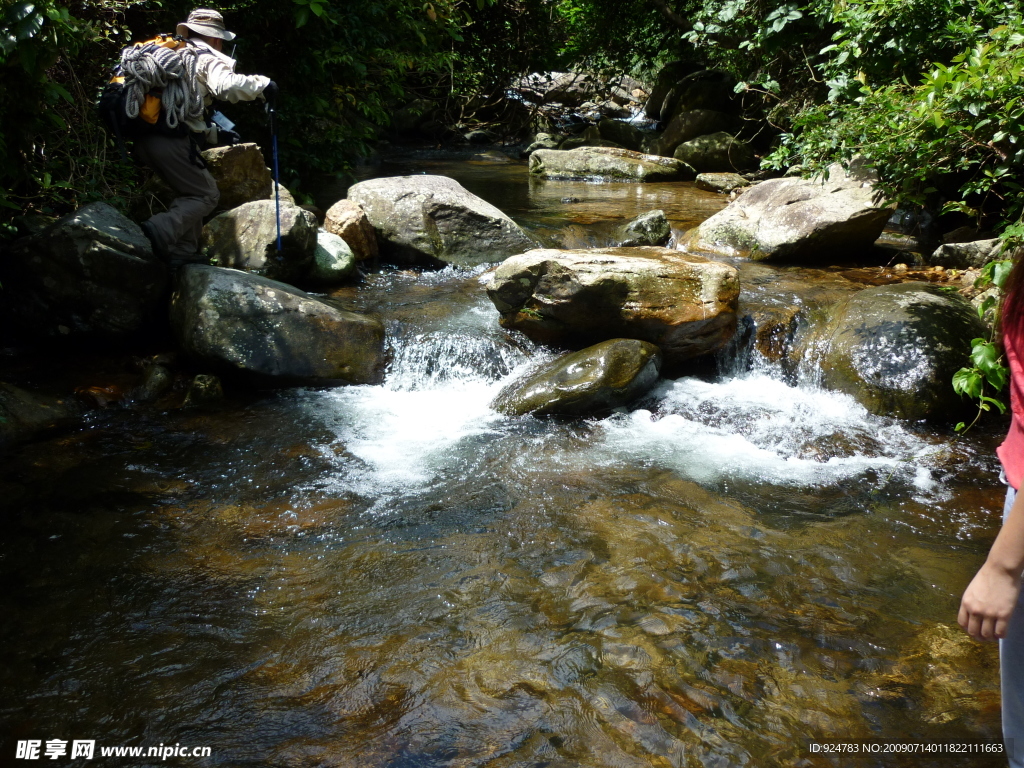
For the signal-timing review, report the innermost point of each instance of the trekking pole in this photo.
(277, 175)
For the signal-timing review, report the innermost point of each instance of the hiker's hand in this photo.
(230, 138)
(988, 603)
(270, 93)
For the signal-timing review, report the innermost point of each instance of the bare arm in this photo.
(992, 594)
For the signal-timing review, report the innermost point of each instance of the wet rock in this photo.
(798, 219)
(542, 141)
(347, 220)
(594, 380)
(333, 260)
(246, 238)
(968, 255)
(715, 153)
(685, 304)
(157, 380)
(24, 414)
(611, 109)
(271, 332)
(92, 274)
(691, 124)
(651, 228)
(432, 219)
(774, 328)
(721, 182)
(895, 349)
(623, 134)
(204, 389)
(241, 173)
(607, 163)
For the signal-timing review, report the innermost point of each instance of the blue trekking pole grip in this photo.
(277, 175)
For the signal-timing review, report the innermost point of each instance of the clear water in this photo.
(398, 576)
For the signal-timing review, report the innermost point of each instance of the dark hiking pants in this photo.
(176, 232)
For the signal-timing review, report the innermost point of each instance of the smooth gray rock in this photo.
(246, 238)
(91, 274)
(683, 303)
(607, 164)
(716, 153)
(798, 219)
(25, 414)
(434, 219)
(273, 333)
(721, 182)
(592, 381)
(651, 228)
(689, 125)
(969, 255)
(895, 349)
(333, 260)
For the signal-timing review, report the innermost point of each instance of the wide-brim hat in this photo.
(207, 22)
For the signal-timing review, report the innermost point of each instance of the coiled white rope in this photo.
(152, 66)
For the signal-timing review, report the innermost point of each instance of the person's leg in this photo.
(1011, 672)
(176, 232)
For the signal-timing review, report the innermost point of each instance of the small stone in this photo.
(203, 390)
(333, 260)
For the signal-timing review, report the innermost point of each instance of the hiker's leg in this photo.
(176, 232)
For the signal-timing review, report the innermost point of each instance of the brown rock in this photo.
(241, 173)
(348, 221)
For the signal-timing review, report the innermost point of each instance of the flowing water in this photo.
(398, 576)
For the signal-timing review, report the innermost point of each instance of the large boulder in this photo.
(895, 349)
(716, 153)
(246, 238)
(434, 219)
(23, 414)
(91, 274)
(622, 133)
(349, 222)
(594, 380)
(798, 219)
(685, 304)
(651, 228)
(270, 332)
(691, 124)
(607, 164)
(707, 89)
(667, 78)
(241, 173)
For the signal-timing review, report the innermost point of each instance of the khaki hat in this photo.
(207, 22)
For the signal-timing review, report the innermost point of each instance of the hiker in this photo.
(175, 233)
(991, 607)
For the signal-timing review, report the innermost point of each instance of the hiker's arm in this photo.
(225, 85)
(992, 595)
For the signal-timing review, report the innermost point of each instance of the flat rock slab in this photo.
(684, 304)
(271, 332)
(91, 274)
(607, 164)
(592, 381)
(815, 220)
(434, 220)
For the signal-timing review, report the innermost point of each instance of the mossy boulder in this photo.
(715, 153)
(271, 333)
(591, 381)
(651, 228)
(895, 349)
(689, 125)
(246, 238)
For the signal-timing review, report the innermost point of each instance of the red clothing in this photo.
(1011, 452)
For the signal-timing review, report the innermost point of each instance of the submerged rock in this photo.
(798, 219)
(651, 228)
(607, 163)
(349, 222)
(683, 303)
(594, 380)
(272, 332)
(90, 274)
(24, 414)
(333, 260)
(716, 153)
(432, 219)
(246, 238)
(895, 349)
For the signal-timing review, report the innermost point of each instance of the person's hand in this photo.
(270, 93)
(229, 138)
(988, 602)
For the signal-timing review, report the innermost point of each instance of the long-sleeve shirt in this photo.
(1011, 452)
(217, 78)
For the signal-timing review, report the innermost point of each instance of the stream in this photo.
(397, 576)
